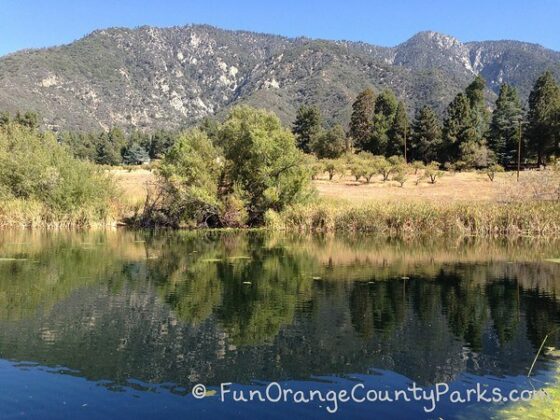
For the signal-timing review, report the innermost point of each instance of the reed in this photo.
(411, 219)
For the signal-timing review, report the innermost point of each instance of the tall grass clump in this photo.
(42, 184)
(416, 219)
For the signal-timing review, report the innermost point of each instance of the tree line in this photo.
(112, 147)
(468, 136)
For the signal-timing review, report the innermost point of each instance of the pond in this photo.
(122, 324)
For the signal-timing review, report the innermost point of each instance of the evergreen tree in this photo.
(135, 154)
(398, 131)
(475, 92)
(160, 143)
(455, 128)
(479, 116)
(361, 120)
(329, 144)
(503, 134)
(110, 147)
(544, 108)
(4, 119)
(29, 119)
(82, 145)
(383, 116)
(426, 135)
(307, 124)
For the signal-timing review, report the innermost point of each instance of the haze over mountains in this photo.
(171, 77)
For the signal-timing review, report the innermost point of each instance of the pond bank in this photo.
(537, 219)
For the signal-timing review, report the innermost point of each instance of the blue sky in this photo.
(36, 23)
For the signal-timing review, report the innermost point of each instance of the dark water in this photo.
(124, 324)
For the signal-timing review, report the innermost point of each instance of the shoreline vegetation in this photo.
(540, 219)
(248, 171)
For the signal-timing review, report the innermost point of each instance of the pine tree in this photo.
(503, 133)
(362, 115)
(383, 116)
(398, 131)
(479, 116)
(307, 124)
(426, 135)
(135, 154)
(544, 109)
(455, 128)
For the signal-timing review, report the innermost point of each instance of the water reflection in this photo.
(185, 307)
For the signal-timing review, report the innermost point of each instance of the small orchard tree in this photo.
(398, 164)
(400, 177)
(417, 165)
(314, 165)
(432, 172)
(492, 170)
(384, 167)
(358, 170)
(333, 167)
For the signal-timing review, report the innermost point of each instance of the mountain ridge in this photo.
(149, 77)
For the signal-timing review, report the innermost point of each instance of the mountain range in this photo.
(150, 77)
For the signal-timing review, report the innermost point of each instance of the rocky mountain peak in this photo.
(148, 77)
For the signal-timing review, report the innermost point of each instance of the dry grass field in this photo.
(133, 184)
(452, 187)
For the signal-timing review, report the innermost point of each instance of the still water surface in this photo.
(123, 324)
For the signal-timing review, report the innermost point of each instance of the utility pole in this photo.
(405, 126)
(405, 129)
(519, 151)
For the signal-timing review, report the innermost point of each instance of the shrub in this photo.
(35, 168)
